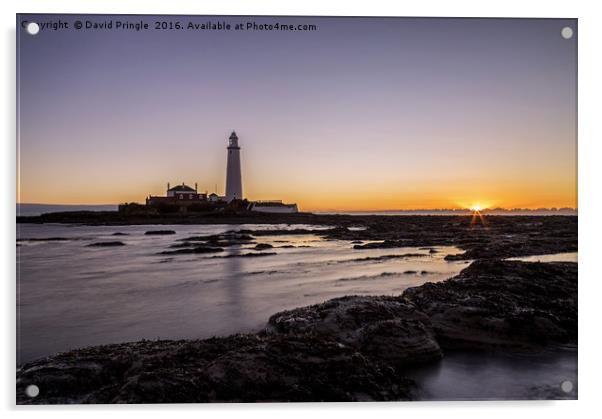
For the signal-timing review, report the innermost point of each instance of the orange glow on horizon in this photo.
(317, 190)
(318, 201)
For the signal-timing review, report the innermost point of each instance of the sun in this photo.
(476, 208)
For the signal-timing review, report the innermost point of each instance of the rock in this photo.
(159, 232)
(498, 237)
(303, 369)
(388, 257)
(239, 368)
(247, 255)
(193, 250)
(502, 304)
(107, 244)
(227, 239)
(384, 328)
(263, 246)
(44, 239)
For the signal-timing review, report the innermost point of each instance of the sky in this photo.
(359, 114)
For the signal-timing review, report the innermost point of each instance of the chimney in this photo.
(195, 187)
(168, 188)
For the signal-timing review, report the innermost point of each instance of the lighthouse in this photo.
(233, 175)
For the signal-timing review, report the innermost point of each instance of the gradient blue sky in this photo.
(363, 113)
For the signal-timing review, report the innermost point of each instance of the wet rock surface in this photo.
(384, 328)
(248, 255)
(240, 368)
(490, 237)
(159, 232)
(107, 244)
(263, 246)
(193, 249)
(502, 304)
(209, 244)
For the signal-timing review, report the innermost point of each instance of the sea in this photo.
(38, 209)
(72, 295)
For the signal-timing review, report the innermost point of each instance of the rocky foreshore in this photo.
(353, 348)
(493, 236)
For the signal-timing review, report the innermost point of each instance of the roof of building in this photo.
(233, 136)
(181, 188)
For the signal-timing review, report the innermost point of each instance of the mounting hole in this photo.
(566, 386)
(32, 28)
(566, 32)
(32, 390)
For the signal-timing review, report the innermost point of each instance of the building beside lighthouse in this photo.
(233, 174)
(180, 195)
(183, 197)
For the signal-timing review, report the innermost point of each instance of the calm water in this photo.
(557, 257)
(37, 209)
(71, 295)
(487, 376)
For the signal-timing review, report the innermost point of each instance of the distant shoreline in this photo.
(36, 210)
(116, 218)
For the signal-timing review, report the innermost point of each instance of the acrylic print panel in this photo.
(253, 209)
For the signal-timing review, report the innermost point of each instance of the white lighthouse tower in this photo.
(233, 175)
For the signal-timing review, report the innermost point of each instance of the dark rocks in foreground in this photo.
(504, 304)
(347, 349)
(239, 368)
(388, 329)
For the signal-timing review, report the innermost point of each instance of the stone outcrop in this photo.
(384, 328)
(503, 304)
(239, 368)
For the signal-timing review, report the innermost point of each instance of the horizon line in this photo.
(551, 209)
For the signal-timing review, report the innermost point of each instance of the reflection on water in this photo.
(72, 295)
(556, 257)
(488, 376)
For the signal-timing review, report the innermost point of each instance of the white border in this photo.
(590, 212)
